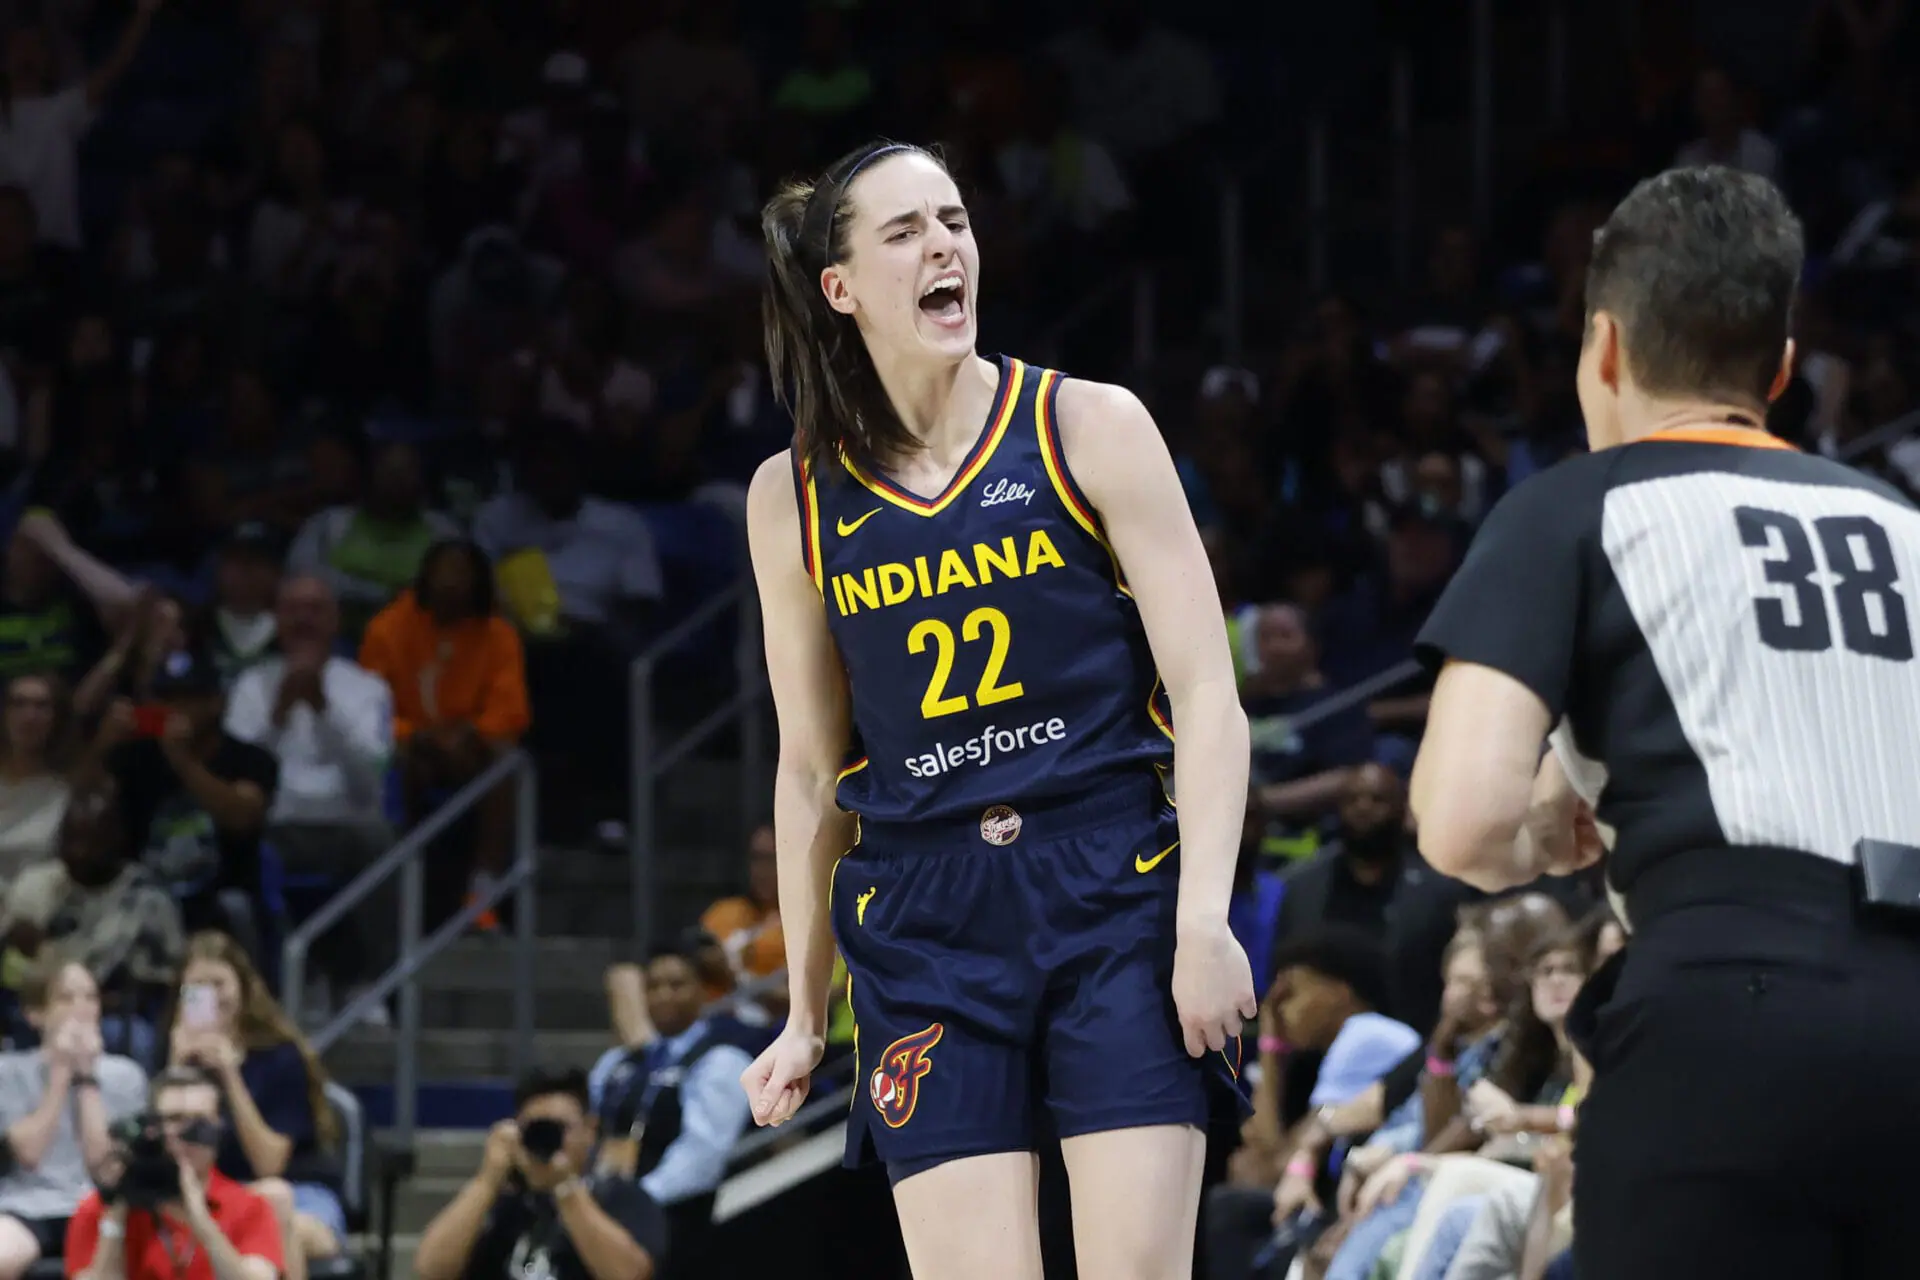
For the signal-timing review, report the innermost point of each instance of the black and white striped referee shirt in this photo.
(1722, 629)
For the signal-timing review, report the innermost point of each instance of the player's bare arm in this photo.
(1474, 781)
(810, 830)
(1121, 462)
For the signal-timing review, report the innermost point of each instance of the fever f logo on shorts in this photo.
(895, 1083)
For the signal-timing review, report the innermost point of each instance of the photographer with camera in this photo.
(170, 1215)
(56, 1103)
(530, 1212)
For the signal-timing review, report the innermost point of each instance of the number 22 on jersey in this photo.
(988, 624)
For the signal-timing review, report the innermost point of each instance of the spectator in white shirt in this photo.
(601, 553)
(329, 721)
(606, 574)
(36, 737)
(40, 127)
(1725, 137)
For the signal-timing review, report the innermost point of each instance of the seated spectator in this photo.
(459, 685)
(1371, 862)
(528, 1210)
(600, 554)
(1372, 627)
(1459, 1052)
(103, 910)
(1525, 1092)
(45, 625)
(196, 799)
(581, 577)
(748, 926)
(371, 552)
(1299, 775)
(672, 1109)
(35, 736)
(56, 1102)
(280, 1137)
(1726, 137)
(1323, 1005)
(238, 630)
(215, 1218)
(329, 723)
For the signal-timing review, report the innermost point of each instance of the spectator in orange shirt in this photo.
(749, 927)
(459, 686)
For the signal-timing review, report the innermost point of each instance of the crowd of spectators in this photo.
(377, 378)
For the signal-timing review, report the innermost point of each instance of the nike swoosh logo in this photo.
(1144, 864)
(846, 527)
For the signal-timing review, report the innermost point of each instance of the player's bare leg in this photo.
(973, 1218)
(1136, 1201)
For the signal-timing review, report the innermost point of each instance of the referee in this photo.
(1714, 634)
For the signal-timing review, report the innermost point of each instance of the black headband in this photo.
(816, 222)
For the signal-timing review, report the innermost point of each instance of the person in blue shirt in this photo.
(671, 1109)
(280, 1136)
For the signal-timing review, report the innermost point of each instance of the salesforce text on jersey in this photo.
(992, 743)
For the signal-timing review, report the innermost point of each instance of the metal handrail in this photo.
(404, 857)
(651, 761)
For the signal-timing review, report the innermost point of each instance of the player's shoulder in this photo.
(771, 498)
(1081, 402)
(1109, 438)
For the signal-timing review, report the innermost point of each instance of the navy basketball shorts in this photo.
(1011, 975)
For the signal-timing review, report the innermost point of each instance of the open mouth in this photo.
(944, 301)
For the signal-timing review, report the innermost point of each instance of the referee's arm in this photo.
(1503, 637)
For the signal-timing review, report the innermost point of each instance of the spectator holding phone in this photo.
(528, 1211)
(56, 1103)
(280, 1137)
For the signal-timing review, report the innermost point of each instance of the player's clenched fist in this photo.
(779, 1078)
(1212, 986)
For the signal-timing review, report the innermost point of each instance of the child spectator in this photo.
(281, 1134)
(56, 1103)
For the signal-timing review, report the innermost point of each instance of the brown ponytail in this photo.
(821, 371)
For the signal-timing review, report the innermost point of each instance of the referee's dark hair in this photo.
(1699, 267)
(1344, 954)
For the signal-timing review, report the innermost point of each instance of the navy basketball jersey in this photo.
(994, 651)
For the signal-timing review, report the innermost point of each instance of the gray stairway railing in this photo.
(404, 860)
(651, 760)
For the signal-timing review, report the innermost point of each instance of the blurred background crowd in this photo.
(379, 378)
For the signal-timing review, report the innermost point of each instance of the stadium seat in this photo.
(355, 1155)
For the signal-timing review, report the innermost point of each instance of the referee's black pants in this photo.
(1755, 1111)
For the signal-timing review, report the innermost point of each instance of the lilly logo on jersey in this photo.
(1003, 491)
(894, 1085)
(957, 570)
(992, 744)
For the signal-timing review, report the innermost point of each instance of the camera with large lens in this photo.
(150, 1177)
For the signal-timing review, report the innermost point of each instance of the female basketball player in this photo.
(970, 570)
